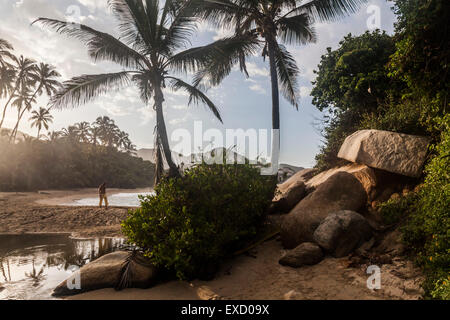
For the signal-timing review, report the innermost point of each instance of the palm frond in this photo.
(134, 26)
(101, 46)
(82, 89)
(195, 95)
(287, 73)
(143, 82)
(328, 10)
(296, 29)
(182, 27)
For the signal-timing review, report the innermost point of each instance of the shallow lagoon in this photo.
(32, 265)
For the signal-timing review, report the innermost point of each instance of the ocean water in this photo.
(115, 200)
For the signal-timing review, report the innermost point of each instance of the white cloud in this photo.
(257, 88)
(179, 106)
(254, 70)
(305, 91)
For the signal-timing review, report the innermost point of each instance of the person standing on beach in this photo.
(102, 194)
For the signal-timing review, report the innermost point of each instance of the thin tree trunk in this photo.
(16, 128)
(162, 135)
(6, 107)
(13, 135)
(275, 152)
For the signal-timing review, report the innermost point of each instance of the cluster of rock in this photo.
(323, 209)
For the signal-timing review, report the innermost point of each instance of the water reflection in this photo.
(31, 266)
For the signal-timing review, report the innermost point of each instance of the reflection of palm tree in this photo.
(36, 276)
(3, 270)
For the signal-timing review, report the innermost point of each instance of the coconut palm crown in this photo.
(150, 48)
(275, 23)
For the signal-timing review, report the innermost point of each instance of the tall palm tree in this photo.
(275, 23)
(40, 119)
(84, 131)
(150, 46)
(44, 76)
(22, 101)
(25, 69)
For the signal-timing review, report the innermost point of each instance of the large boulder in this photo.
(290, 192)
(394, 152)
(342, 232)
(287, 196)
(341, 191)
(105, 273)
(305, 254)
(365, 175)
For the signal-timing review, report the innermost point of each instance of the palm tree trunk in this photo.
(6, 107)
(16, 128)
(162, 135)
(275, 107)
(13, 135)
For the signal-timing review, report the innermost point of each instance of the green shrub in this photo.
(428, 227)
(194, 221)
(394, 210)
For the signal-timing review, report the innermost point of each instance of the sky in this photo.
(245, 103)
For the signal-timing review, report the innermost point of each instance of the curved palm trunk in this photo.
(275, 108)
(6, 107)
(16, 128)
(13, 135)
(162, 139)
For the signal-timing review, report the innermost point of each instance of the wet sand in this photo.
(44, 212)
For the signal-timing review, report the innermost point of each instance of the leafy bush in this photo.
(394, 210)
(194, 221)
(428, 228)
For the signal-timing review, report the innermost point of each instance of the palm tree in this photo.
(94, 133)
(123, 139)
(70, 133)
(22, 101)
(130, 148)
(84, 131)
(5, 48)
(7, 78)
(273, 21)
(149, 49)
(107, 130)
(25, 69)
(53, 136)
(40, 119)
(44, 75)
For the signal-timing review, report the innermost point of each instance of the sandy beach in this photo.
(255, 275)
(44, 211)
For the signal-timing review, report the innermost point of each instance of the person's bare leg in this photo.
(101, 201)
(106, 202)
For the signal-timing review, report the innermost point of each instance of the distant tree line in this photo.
(80, 156)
